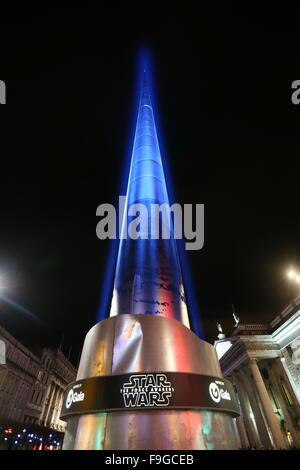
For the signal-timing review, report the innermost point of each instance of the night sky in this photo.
(229, 131)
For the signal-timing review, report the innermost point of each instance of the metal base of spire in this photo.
(129, 344)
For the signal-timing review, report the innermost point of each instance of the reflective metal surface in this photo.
(155, 430)
(136, 343)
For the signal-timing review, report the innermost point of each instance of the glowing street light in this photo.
(291, 274)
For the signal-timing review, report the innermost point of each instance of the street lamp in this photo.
(293, 275)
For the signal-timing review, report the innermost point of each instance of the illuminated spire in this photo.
(148, 276)
(146, 180)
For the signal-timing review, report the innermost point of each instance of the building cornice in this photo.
(244, 348)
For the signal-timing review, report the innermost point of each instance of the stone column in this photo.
(282, 365)
(51, 393)
(53, 405)
(61, 423)
(242, 432)
(46, 399)
(267, 407)
(282, 404)
(239, 425)
(45, 405)
(56, 413)
(251, 435)
(58, 403)
(259, 419)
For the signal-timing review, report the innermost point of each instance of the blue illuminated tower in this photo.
(145, 379)
(148, 277)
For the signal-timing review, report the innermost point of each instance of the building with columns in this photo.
(32, 384)
(263, 363)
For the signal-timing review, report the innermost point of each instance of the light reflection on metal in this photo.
(154, 430)
(137, 343)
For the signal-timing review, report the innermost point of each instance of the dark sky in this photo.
(230, 131)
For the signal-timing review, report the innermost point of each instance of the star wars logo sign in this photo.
(147, 390)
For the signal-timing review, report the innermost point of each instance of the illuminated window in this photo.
(290, 351)
(273, 397)
(289, 438)
(286, 392)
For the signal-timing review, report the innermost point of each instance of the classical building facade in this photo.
(32, 384)
(263, 363)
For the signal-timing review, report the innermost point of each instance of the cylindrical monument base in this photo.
(171, 383)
